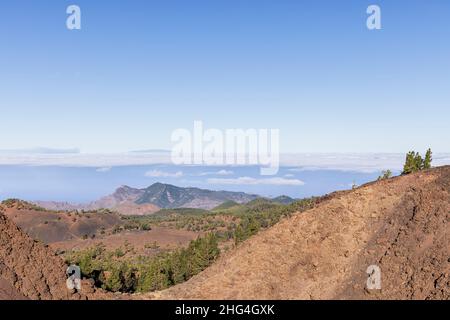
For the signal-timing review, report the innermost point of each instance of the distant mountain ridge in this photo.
(123, 194)
(133, 201)
(283, 200)
(168, 196)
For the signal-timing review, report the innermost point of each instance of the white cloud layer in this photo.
(163, 174)
(360, 162)
(218, 173)
(253, 181)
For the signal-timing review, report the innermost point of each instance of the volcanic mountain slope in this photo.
(30, 270)
(400, 225)
(51, 226)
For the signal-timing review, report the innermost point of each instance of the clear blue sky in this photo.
(139, 69)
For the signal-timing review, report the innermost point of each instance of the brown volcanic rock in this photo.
(401, 225)
(30, 270)
(8, 292)
(28, 266)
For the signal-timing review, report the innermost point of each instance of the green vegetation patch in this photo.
(117, 271)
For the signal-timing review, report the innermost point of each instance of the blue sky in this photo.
(140, 69)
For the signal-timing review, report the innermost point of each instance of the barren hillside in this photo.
(401, 225)
(54, 226)
(30, 270)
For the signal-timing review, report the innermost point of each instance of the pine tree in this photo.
(418, 162)
(409, 163)
(414, 162)
(428, 160)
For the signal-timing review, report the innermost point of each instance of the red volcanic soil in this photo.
(141, 241)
